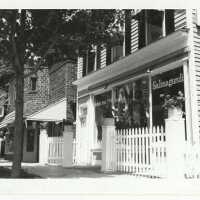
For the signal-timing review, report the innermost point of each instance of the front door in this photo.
(30, 145)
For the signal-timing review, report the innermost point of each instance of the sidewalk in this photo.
(90, 182)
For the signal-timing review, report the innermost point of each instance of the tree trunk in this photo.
(19, 126)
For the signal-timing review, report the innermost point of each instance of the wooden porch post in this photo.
(43, 144)
(175, 147)
(108, 155)
(150, 103)
(68, 146)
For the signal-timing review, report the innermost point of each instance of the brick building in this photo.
(36, 96)
(60, 109)
(62, 75)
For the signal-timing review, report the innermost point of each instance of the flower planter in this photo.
(175, 113)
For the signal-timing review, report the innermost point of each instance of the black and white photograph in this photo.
(100, 102)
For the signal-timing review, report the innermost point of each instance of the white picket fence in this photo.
(139, 151)
(56, 148)
(192, 161)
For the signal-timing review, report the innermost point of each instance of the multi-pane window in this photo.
(116, 53)
(153, 25)
(89, 62)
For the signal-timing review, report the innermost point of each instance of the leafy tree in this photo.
(42, 37)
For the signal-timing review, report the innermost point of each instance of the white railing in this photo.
(55, 151)
(139, 151)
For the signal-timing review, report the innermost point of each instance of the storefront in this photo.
(143, 101)
(139, 91)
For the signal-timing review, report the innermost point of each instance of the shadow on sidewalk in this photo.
(5, 172)
(48, 171)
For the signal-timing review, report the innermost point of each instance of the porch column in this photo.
(68, 146)
(43, 145)
(175, 140)
(108, 155)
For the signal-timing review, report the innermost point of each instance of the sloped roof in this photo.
(8, 119)
(53, 112)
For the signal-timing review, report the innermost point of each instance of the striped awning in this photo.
(8, 119)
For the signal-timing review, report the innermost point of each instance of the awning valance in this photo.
(54, 112)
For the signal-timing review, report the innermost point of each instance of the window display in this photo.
(103, 109)
(131, 107)
(167, 95)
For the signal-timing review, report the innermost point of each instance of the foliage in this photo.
(172, 101)
(40, 37)
(48, 36)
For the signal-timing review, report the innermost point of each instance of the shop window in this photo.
(131, 107)
(30, 140)
(167, 93)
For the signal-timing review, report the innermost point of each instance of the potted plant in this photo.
(174, 104)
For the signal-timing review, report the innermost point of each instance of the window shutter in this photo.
(127, 32)
(91, 61)
(84, 64)
(98, 57)
(141, 29)
(169, 21)
(108, 55)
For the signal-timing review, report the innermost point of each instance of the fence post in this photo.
(68, 146)
(175, 146)
(108, 133)
(43, 146)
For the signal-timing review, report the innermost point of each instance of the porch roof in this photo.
(53, 112)
(165, 48)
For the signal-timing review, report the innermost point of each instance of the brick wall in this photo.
(61, 77)
(33, 100)
(70, 90)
